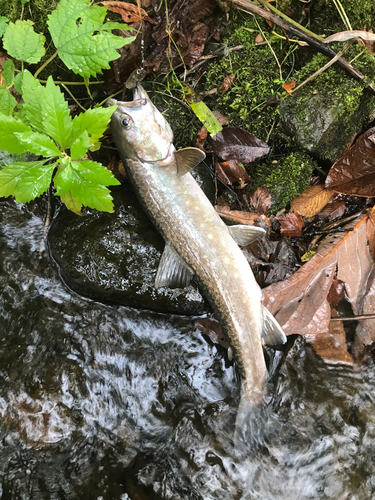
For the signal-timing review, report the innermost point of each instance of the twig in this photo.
(303, 35)
(353, 318)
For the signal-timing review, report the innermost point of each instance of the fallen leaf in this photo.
(261, 200)
(212, 328)
(223, 120)
(365, 331)
(333, 210)
(201, 138)
(231, 172)
(336, 293)
(235, 143)
(291, 224)
(227, 82)
(289, 86)
(343, 36)
(354, 172)
(371, 232)
(259, 40)
(331, 345)
(300, 302)
(130, 13)
(241, 217)
(311, 200)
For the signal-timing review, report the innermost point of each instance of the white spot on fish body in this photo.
(210, 236)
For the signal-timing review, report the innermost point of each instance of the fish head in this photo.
(139, 129)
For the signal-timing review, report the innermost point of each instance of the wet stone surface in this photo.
(114, 403)
(114, 258)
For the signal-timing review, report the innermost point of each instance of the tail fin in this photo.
(252, 425)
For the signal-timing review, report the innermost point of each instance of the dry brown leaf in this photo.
(289, 86)
(201, 138)
(231, 172)
(212, 328)
(311, 200)
(354, 172)
(291, 224)
(331, 345)
(365, 332)
(227, 82)
(261, 200)
(223, 120)
(130, 13)
(300, 302)
(333, 210)
(241, 217)
(259, 40)
(371, 232)
(336, 292)
(343, 36)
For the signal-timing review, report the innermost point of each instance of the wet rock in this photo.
(113, 258)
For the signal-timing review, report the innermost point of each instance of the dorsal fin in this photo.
(172, 270)
(188, 158)
(244, 235)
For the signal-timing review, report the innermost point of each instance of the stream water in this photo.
(107, 402)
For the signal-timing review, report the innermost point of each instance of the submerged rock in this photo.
(113, 258)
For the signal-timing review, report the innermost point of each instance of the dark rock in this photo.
(113, 258)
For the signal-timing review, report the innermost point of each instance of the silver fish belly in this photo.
(197, 240)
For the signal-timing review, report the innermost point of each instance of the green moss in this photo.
(35, 10)
(286, 178)
(258, 77)
(324, 15)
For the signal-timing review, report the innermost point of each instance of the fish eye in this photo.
(125, 121)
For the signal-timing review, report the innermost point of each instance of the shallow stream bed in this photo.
(113, 403)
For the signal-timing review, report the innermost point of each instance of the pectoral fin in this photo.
(244, 235)
(187, 159)
(272, 331)
(172, 271)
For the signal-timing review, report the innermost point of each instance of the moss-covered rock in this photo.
(285, 178)
(325, 113)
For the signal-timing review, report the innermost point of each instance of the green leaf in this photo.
(8, 72)
(80, 146)
(72, 26)
(94, 122)
(3, 25)
(22, 43)
(7, 101)
(207, 117)
(8, 140)
(71, 202)
(85, 181)
(46, 108)
(25, 180)
(18, 82)
(39, 144)
(57, 120)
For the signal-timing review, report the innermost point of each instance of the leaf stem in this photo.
(72, 96)
(45, 64)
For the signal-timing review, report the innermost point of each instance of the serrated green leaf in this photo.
(18, 82)
(3, 24)
(86, 181)
(8, 140)
(32, 92)
(22, 43)
(25, 181)
(94, 122)
(57, 121)
(72, 26)
(80, 146)
(39, 144)
(207, 117)
(8, 72)
(71, 202)
(7, 101)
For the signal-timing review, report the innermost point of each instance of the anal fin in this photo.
(272, 331)
(244, 235)
(172, 271)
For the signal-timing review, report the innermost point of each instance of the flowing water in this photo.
(107, 402)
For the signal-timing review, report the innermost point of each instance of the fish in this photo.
(197, 241)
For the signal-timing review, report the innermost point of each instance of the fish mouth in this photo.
(139, 99)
